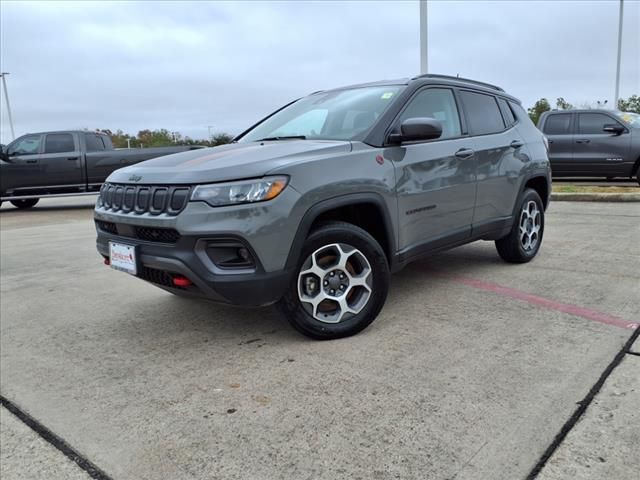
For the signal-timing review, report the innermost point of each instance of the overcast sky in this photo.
(184, 66)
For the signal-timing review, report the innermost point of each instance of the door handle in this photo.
(32, 161)
(464, 153)
(583, 140)
(72, 159)
(516, 144)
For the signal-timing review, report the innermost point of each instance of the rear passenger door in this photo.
(499, 152)
(61, 161)
(435, 180)
(558, 128)
(597, 152)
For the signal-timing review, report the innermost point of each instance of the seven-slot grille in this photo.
(151, 199)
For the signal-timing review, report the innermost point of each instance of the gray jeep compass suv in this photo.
(317, 203)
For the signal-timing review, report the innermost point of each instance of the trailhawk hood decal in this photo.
(226, 162)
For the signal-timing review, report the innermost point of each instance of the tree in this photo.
(538, 109)
(156, 138)
(221, 139)
(562, 104)
(161, 138)
(632, 104)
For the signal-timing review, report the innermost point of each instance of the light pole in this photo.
(615, 101)
(424, 38)
(6, 99)
(209, 129)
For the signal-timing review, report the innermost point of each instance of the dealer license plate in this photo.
(123, 257)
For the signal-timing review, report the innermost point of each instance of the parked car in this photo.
(63, 163)
(317, 203)
(593, 143)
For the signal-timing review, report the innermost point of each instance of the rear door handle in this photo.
(516, 144)
(72, 159)
(583, 140)
(464, 153)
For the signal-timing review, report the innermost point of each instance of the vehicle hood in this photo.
(226, 162)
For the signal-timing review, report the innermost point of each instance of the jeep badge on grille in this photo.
(135, 178)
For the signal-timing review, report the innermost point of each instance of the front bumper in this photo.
(160, 263)
(176, 243)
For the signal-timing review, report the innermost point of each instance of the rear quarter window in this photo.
(507, 113)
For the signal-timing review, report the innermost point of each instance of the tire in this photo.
(363, 276)
(638, 176)
(521, 246)
(24, 204)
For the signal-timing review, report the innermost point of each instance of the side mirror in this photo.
(416, 129)
(613, 128)
(3, 153)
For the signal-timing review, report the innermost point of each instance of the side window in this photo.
(59, 143)
(590, 123)
(507, 113)
(437, 103)
(558, 124)
(483, 113)
(94, 143)
(29, 145)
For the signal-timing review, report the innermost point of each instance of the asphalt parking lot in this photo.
(471, 370)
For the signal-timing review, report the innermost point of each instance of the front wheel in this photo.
(525, 238)
(340, 285)
(26, 203)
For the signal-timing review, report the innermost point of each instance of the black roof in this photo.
(431, 78)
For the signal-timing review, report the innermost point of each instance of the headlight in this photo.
(243, 191)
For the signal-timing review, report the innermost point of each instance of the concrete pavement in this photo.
(26, 456)
(457, 378)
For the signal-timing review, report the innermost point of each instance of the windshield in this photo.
(335, 115)
(633, 119)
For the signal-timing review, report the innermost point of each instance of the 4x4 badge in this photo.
(135, 178)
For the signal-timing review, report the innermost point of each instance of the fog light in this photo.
(243, 253)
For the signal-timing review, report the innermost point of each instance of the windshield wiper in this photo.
(289, 137)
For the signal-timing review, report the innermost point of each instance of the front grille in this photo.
(108, 227)
(162, 235)
(153, 199)
(159, 277)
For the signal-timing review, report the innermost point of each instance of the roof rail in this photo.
(451, 77)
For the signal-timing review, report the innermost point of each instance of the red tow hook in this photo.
(181, 281)
(107, 262)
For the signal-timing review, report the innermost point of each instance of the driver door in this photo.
(22, 168)
(435, 179)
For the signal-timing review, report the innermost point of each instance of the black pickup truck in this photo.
(64, 163)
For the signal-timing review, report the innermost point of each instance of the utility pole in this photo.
(424, 38)
(6, 100)
(617, 96)
(209, 129)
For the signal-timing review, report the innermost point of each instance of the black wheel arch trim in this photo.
(525, 180)
(312, 214)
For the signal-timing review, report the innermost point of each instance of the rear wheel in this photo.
(340, 285)
(26, 203)
(525, 238)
